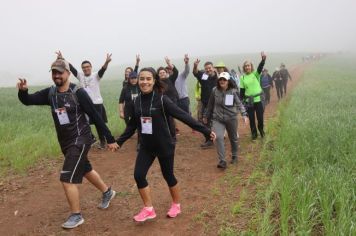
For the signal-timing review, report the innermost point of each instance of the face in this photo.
(60, 78)
(220, 69)
(127, 72)
(248, 68)
(133, 81)
(209, 69)
(86, 67)
(146, 82)
(162, 74)
(223, 83)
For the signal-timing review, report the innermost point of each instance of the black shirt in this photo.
(77, 130)
(207, 86)
(160, 142)
(128, 93)
(171, 90)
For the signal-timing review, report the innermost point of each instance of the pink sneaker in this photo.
(145, 214)
(174, 211)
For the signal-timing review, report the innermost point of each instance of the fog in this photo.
(31, 31)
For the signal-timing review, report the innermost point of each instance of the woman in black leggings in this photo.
(153, 115)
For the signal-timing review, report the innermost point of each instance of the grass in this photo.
(27, 134)
(310, 156)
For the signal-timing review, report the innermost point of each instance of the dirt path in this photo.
(35, 204)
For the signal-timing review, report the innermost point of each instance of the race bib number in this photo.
(62, 116)
(204, 77)
(229, 100)
(146, 124)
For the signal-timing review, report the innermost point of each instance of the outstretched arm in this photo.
(38, 98)
(105, 66)
(138, 59)
(130, 128)
(71, 67)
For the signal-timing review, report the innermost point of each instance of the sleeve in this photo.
(88, 107)
(198, 75)
(185, 73)
(174, 76)
(122, 95)
(173, 110)
(130, 128)
(101, 72)
(38, 98)
(73, 70)
(209, 111)
(136, 69)
(260, 66)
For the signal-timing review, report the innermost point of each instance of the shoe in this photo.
(222, 165)
(145, 214)
(107, 197)
(234, 160)
(254, 136)
(174, 210)
(74, 220)
(207, 144)
(262, 133)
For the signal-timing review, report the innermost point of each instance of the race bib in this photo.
(146, 124)
(62, 116)
(229, 100)
(204, 77)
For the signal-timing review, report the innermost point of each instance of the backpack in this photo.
(73, 91)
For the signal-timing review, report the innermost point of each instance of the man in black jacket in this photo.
(69, 105)
(207, 80)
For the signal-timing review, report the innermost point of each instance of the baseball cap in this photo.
(224, 75)
(133, 74)
(220, 65)
(60, 65)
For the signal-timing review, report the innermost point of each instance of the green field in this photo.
(27, 133)
(310, 157)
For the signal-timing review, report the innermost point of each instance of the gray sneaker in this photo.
(74, 220)
(107, 197)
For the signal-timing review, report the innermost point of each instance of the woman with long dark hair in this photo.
(151, 117)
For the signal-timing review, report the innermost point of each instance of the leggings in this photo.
(144, 161)
(258, 109)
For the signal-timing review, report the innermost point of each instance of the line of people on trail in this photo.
(149, 103)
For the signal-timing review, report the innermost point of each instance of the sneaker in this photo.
(145, 214)
(262, 133)
(234, 160)
(107, 197)
(74, 220)
(254, 136)
(207, 144)
(222, 165)
(174, 210)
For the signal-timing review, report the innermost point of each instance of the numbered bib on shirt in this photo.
(229, 100)
(205, 77)
(62, 116)
(146, 124)
(133, 96)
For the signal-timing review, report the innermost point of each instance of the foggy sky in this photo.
(31, 31)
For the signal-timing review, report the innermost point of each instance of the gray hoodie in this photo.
(217, 108)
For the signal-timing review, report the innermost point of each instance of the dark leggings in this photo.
(144, 161)
(258, 108)
(279, 89)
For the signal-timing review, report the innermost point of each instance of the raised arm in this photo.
(195, 68)
(186, 71)
(38, 98)
(138, 59)
(262, 63)
(71, 67)
(105, 66)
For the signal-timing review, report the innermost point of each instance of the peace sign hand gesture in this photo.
(22, 85)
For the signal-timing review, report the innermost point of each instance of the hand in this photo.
(205, 120)
(59, 55)
(186, 59)
(168, 61)
(245, 118)
(263, 56)
(108, 58)
(122, 116)
(196, 63)
(138, 59)
(22, 85)
(113, 147)
(212, 136)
